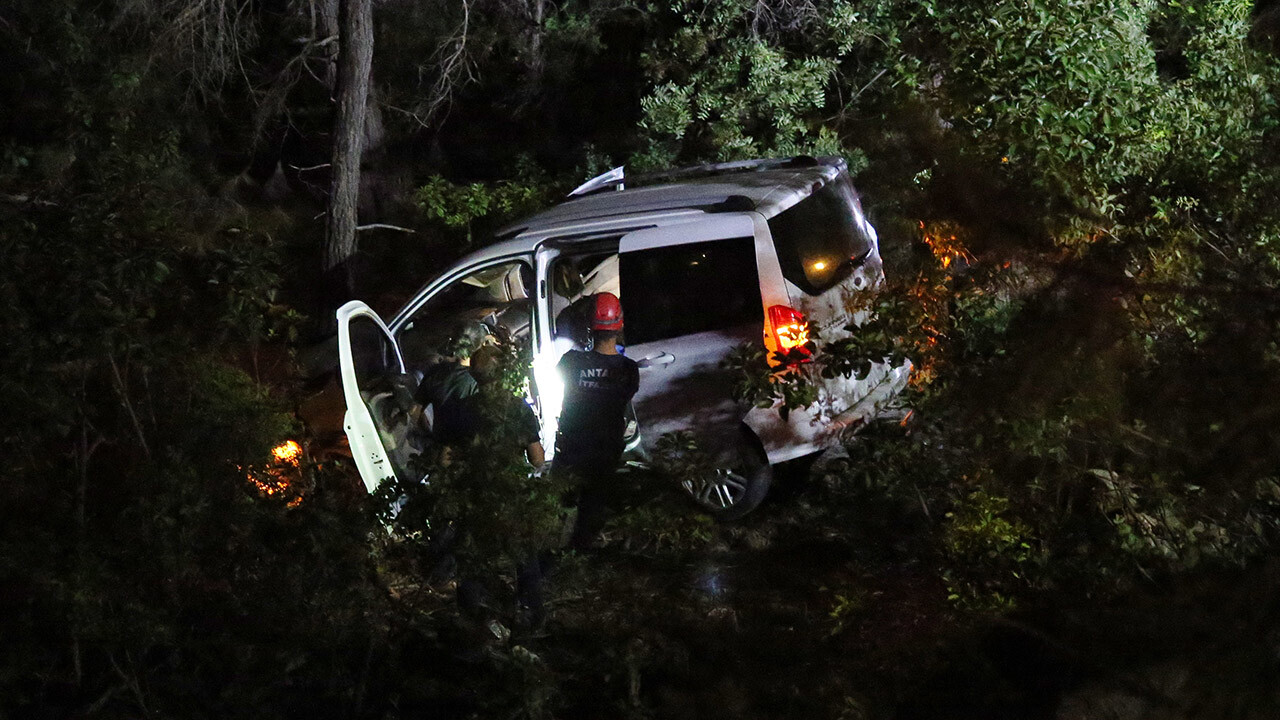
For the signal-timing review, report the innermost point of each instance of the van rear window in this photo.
(820, 239)
(685, 289)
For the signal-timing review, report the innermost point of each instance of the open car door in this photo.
(374, 385)
(691, 294)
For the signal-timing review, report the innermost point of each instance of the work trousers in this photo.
(594, 483)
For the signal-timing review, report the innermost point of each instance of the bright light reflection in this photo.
(550, 391)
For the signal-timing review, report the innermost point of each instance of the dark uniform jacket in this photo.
(444, 385)
(597, 389)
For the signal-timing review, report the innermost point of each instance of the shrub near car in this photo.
(703, 259)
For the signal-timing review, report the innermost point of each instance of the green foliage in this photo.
(1106, 127)
(978, 528)
(661, 526)
(503, 514)
(1089, 305)
(666, 110)
(127, 493)
(845, 609)
(723, 89)
(460, 207)
(757, 383)
(981, 541)
(1067, 97)
(136, 303)
(1071, 101)
(228, 416)
(529, 685)
(683, 457)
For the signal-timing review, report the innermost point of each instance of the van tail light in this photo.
(790, 334)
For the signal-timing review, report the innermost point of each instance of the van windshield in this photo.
(680, 290)
(821, 239)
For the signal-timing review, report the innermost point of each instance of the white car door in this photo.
(690, 294)
(376, 422)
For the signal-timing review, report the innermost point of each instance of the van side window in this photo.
(820, 239)
(685, 289)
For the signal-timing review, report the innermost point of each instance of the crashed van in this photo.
(703, 259)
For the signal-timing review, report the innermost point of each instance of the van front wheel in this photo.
(736, 484)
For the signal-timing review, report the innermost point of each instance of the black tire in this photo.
(740, 481)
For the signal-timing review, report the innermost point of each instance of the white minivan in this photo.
(703, 260)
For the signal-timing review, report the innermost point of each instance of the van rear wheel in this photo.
(737, 483)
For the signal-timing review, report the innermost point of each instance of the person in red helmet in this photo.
(598, 385)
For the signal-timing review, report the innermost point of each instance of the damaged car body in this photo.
(703, 259)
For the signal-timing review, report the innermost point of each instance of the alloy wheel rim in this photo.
(720, 491)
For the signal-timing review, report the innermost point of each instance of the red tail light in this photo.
(791, 334)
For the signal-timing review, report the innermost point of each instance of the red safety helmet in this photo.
(608, 314)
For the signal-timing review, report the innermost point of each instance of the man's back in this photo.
(443, 383)
(597, 390)
(443, 387)
(495, 412)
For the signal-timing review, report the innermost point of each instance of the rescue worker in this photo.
(599, 383)
(503, 423)
(448, 381)
(490, 407)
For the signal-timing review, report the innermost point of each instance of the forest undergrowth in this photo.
(1075, 205)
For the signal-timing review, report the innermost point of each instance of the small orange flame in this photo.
(276, 478)
(288, 452)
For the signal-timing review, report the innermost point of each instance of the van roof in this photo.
(767, 186)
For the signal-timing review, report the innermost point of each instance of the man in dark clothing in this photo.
(445, 382)
(448, 381)
(598, 386)
(494, 421)
(492, 408)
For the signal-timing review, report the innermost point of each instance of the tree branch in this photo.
(384, 226)
(123, 393)
(450, 60)
(869, 84)
(27, 200)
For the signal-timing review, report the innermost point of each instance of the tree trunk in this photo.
(355, 60)
(325, 23)
(537, 13)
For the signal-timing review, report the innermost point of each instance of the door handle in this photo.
(665, 358)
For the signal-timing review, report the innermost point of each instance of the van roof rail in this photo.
(612, 178)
